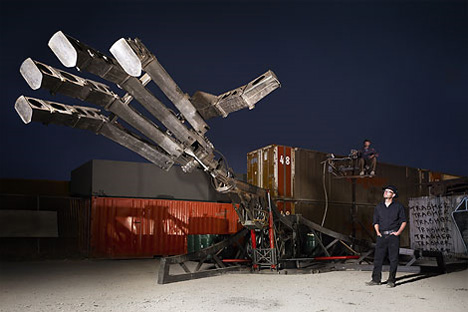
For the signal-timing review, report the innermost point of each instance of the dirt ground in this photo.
(130, 285)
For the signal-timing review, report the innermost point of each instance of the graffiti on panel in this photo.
(432, 226)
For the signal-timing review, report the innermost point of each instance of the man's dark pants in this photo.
(386, 245)
(371, 162)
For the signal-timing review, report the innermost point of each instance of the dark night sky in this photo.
(395, 72)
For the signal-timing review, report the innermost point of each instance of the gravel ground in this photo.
(130, 285)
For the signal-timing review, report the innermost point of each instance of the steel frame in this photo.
(211, 253)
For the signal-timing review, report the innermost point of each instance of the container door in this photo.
(269, 169)
(285, 177)
(285, 171)
(254, 172)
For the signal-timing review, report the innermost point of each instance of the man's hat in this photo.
(392, 188)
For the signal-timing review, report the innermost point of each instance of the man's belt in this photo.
(388, 232)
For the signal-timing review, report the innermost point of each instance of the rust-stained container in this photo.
(131, 227)
(272, 167)
(296, 185)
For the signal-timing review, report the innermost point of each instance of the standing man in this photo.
(367, 157)
(389, 222)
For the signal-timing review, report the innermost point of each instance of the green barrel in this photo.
(309, 244)
(200, 241)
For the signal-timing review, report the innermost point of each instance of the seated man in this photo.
(367, 158)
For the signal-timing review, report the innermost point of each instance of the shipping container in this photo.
(106, 227)
(70, 227)
(132, 227)
(142, 180)
(295, 179)
(272, 167)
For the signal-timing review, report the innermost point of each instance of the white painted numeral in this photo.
(288, 160)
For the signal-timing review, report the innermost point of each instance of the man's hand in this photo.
(377, 230)
(402, 227)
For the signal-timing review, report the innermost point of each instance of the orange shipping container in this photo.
(132, 227)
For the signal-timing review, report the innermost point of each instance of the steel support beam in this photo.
(211, 252)
(370, 267)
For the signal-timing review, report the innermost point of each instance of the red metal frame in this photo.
(271, 235)
(253, 238)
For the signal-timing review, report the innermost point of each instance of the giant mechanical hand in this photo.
(172, 138)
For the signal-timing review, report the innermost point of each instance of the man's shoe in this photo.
(372, 283)
(361, 173)
(372, 173)
(390, 284)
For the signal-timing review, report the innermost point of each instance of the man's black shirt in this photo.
(389, 218)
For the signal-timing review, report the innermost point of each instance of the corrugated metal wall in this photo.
(72, 222)
(132, 227)
(107, 227)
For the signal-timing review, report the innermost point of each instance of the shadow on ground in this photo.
(430, 271)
